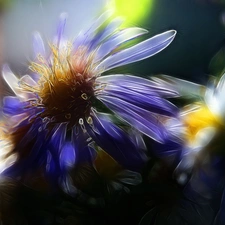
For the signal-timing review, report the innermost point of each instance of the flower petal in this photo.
(106, 32)
(148, 101)
(31, 151)
(204, 136)
(139, 51)
(12, 81)
(221, 84)
(67, 156)
(117, 39)
(27, 80)
(61, 27)
(115, 142)
(82, 144)
(137, 117)
(13, 105)
(7, 159)
(214, 97)
(58, 138)
(85, 37)
(182, 87)
(38, 45)
(214, 101)
(137, 84)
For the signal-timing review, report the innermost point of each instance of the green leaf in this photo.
(217, 64)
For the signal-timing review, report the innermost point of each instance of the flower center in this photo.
(199, 119)
(66, 86)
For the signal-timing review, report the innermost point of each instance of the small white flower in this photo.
(200, 125)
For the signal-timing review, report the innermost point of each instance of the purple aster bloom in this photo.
(56, 113)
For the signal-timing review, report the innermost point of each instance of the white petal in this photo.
(26, 79)
(215, 102)
(5, 149)
(221, 84)
(5, 163)
(204, 136)
(12, 81)
(215, 98)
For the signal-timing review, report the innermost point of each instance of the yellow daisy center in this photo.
(198, 119)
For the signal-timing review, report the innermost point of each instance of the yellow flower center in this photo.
(66, 85)
(198, 119)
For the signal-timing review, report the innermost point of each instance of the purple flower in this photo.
(65, 105)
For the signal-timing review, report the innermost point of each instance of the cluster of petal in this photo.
(54, 118)
(200, 126)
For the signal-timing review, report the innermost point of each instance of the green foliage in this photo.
(217, 64)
